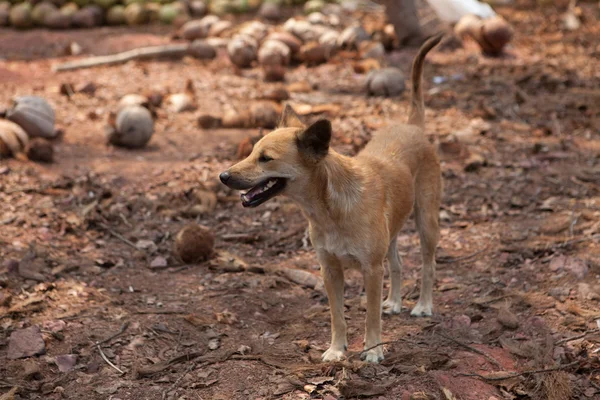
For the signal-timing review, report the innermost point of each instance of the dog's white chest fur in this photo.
(334, 242)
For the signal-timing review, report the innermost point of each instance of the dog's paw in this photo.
(422, 310)
(333, 354)
(373, 356)
(392, 307)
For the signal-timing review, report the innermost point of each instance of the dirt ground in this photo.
(86, 242)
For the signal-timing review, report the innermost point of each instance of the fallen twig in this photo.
(161, 366)
(584, 334)
(450, 260)
(160, 312)
(380, 344)
(169, 50)
(108, 361)
(119, 236)
(108, 339)
(473, 349)
(517, 374)
(176, 383)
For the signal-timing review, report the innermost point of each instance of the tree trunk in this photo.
(403, 15)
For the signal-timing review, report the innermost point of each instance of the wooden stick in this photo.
(473, 349)
(525, 373)
(169, 50)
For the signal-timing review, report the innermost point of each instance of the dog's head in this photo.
(282, 161)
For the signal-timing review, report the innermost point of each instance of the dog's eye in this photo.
(264, 158)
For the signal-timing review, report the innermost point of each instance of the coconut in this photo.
(387, 82)
(220, 7)
(193, 244)
(57, 20)
(168, 13)
(242, 50)
(329, 40)
(198, 29)
(4, 13)
(317, 18)
(153, 10)
(303, 29)
(83, 18)
(116, 15)
(198, 8)
(370, 49)
(105, 4)
(496, 33)
(181, 102)
(69, 9)
(202, 50)
(468, 25)
(312, 6)
(136, 14)
(314, 53)
(20, 16)
(34, 114)
(40, 150)
(133, 127)
(270, 11)
(255, 29)
(133, 100)
(13, 138)
(290, 40)
(351, 37)
(274, 52)
(97, 12)
(40, 11)
(220, 27)
(264, 115)
(82, 3)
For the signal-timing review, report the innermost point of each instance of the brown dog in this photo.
(355, 206)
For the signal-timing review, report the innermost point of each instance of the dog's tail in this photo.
(417, 109)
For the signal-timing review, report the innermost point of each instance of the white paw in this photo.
(333, 354)
(373, 356)
(422, 310)
(392, 307)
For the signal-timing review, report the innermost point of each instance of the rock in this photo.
(235, 119)
(467, 26)
(116, 15)
(4, 13)
(351, 37)
(20, 16)
(209, 122)
(202, 50)
(577, 267)
(507, 319)
(83, 18)
(198, 8)
(242, 50)
(274, 52)
(474, 162)
(170, 13)
(66, 362)
(279, 94)
(274, 73)
(40, 150)
(133, 127)
(97, 12)
(304, 30)
(290, 40)
(387, 82)
(159, 262)
(25, 343)
(316, 18)
(193, 244)
(69, 9)
(270, 11)
(13, 139)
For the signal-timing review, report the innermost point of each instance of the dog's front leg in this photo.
(333, 278)
(373, 276)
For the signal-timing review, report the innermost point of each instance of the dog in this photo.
(355, 206)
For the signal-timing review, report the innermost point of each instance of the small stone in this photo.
(159, 262)
(66, 362)
(270, 11)
(209, 121)
(387, 82)
(25, 343)
(40, 150)
(507, 319)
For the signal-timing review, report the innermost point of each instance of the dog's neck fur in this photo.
(336, 187)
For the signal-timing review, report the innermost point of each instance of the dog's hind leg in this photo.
(333, 279)
(393, 303)
(427, 206)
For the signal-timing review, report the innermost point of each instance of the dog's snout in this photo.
(224, 177)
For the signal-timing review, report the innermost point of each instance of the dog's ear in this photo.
(290, 119)
(314, 140)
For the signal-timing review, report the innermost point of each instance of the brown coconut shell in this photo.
(193, 244)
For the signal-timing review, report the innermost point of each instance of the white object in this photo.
(454, 10)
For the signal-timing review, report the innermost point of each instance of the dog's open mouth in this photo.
(263, 192)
